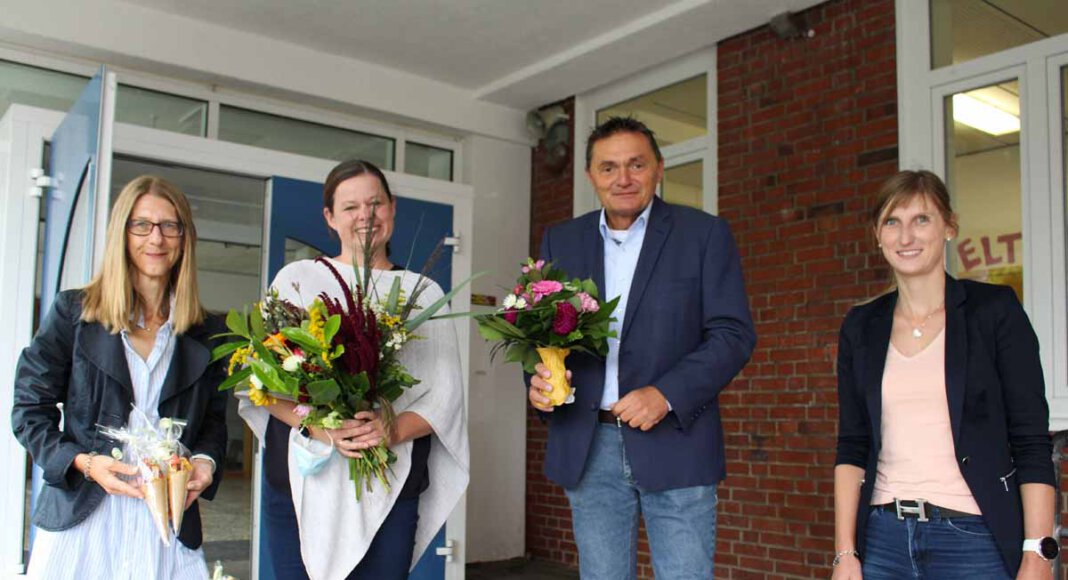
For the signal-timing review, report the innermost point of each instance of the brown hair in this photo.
(109, 298)
(907, 185)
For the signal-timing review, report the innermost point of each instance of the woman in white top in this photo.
(131, 347)
(315, 528)
(944, 463)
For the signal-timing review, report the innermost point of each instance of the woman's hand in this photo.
(369, 432)
(1034, 567)
(105, 472)
(848, 568)
(199, 481)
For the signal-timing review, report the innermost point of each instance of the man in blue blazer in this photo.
(643, 435)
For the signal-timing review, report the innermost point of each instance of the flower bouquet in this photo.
(334, 358)
(163, 468)
(544, 318)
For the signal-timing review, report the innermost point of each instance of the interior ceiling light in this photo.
(983, 116)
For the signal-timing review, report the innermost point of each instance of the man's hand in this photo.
(641, 408)
(199, 481)
(540, 388)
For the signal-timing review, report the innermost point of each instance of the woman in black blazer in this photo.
(944, 466)
(135, 336)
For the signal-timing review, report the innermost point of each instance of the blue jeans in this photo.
(388, 557)
(606, 505)
(940, 549)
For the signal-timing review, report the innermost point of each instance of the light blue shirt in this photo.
(621, 251)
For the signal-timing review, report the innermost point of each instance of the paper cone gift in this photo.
(155, 490)
(553, 358)
(178, 478)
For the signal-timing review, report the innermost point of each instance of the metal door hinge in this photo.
(40, 181)
(446, 550)
(453, 241)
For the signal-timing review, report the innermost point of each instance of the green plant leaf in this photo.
(235, 379)
(332, 325)
(225, 350)
(256, 324)
(393, 301)
(426, 313)
(323, 392)
(237, 323)
(303, 338)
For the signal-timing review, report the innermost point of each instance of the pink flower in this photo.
(526, 269)
(511, 316)
(530, 301)
(518, 289)
(539, 264)
(566, 318)
(302, 410)
(589, 303)
(543, 288)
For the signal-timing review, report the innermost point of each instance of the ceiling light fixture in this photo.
(983, 116)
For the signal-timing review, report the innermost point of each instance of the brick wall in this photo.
(807, 129)
(548, 528)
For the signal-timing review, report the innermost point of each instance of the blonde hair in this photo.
(110, 298)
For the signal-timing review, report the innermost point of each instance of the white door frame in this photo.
(921, 145)
(23, 132)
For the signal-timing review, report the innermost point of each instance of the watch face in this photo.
(1049, 548)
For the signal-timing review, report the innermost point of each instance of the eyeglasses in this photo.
(144, 228)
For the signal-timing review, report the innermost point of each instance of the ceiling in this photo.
(514, 52)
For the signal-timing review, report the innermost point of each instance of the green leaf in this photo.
(393, 302)
(268, 375)
(530, 361)
(237, 323)
(332, 325)
(225, 350)
(235, 379)
(323, 392)
(517, 352)
(490, 333)
(426, 313)
(303, 338)
(256, 324)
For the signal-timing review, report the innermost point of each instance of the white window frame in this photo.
(700, 148)
(216, 96)
(921, 138)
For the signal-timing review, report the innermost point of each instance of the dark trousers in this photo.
(389, 556)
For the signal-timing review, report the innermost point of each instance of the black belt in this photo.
(606, 416)
(920, 509)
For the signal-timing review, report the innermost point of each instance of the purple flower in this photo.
(511, 316)
(539, 264)
(589, 303)
(566, 318)
(543, 288)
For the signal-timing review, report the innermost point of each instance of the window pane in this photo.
(301, 137)
(427, 161)
(161, 111)
(983, 163)
(37, 87)
(962, 30)
(683, 184)
(675, 113)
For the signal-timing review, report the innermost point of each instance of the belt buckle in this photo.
(920, 510)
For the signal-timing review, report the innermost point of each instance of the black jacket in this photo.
(84, 367)
(995, 392)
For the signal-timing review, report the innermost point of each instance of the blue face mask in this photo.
(310, 455)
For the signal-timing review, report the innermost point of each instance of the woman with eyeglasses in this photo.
(133, 346)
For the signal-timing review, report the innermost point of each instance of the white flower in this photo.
(509, 301)
(292, 363)
(520, 303)
(256, 382)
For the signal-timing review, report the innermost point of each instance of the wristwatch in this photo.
(1047, 548)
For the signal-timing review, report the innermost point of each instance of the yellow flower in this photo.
(389, 320)
(238, 358)
(260, 397)
(317, 324)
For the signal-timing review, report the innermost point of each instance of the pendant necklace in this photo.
(917, 331)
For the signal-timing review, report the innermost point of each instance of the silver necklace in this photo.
(917, 331)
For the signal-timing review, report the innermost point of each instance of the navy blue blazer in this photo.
(995, 392)
(83, 366)
(687, 330)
